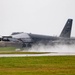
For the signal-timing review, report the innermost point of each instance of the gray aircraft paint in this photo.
(29, 39)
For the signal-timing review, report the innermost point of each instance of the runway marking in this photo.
(47, 54)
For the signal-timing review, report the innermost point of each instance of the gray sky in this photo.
(46, 17)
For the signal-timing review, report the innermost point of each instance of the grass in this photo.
(44, 65)
(12, 50)
(7, 48)
(19, 52)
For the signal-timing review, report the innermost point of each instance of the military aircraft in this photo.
(29, 39)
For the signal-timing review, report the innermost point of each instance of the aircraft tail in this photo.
(66, 32)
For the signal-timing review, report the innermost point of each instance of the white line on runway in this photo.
(47, 54)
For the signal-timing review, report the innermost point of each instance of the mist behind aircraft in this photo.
(55, 48)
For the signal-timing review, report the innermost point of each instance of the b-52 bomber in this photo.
(29, 39)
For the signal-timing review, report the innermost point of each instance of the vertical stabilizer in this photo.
(66, 32)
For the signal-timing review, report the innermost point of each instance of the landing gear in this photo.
(26, 45)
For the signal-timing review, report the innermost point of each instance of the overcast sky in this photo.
(46, 17)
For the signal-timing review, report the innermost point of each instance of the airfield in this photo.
(42, 61)
(59, 50)
(28, 55)
(34, 65)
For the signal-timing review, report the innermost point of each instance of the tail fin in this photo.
(66, 32)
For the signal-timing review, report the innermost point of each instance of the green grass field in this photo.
(7, 48)
(19, 52)
(12, 50)
(45, 65)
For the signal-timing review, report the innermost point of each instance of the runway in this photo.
(47, 54)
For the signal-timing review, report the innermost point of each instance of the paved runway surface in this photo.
(47, 54)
